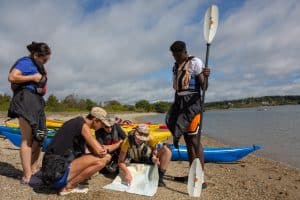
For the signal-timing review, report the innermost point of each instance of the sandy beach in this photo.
(251, 178)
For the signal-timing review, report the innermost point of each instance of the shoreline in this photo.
(253, 177)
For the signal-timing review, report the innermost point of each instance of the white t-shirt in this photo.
(196, 66)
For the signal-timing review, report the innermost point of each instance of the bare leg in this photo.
(83, 168)
(26, 148)
(36, 150)
(191, 143)
(164, 156)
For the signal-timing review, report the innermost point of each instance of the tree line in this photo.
(73, 103)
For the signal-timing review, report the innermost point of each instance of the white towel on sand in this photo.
(144, 180)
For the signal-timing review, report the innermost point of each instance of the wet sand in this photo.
(251, 178)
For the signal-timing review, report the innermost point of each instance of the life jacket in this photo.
(40, 87)
(182, 79)
(115, 137)
(139, 153)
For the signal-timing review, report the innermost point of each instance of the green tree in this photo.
(89, 104)
(143, 105)
(4, 102)
(161, 106)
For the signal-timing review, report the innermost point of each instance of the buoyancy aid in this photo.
(40, 87)
(139, 153)
(182, 79)
(114, 137)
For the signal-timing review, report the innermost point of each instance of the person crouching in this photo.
(141, 148)
(66, 163)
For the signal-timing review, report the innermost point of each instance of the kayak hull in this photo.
(215, 154)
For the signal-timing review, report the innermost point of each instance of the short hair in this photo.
(178, 46)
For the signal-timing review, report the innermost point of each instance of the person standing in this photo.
(183, 118)
(28, 78)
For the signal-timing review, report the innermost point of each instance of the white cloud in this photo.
(115, 51)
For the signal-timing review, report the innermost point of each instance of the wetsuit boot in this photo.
(161, 174)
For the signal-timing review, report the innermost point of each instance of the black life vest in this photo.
(139, 153)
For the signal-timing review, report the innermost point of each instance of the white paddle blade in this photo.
(211, 23)
(196, 179)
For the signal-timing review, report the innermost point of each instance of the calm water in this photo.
(277, 129)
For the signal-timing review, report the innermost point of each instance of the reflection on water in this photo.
(277, 129)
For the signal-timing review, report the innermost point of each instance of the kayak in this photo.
(50, 123)
(16, 139)
(215, 154)
(14, 135)
(211, 154)
(15, 130)
(56, 123)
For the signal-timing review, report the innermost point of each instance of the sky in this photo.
(119, 49)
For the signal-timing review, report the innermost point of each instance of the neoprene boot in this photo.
(161, 174)
(176, 141)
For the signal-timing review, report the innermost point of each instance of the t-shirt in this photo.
(125, 145)
(196, 66)
(68, 137)
(108, 138)
(27, 67)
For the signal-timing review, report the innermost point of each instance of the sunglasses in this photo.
(142, 134)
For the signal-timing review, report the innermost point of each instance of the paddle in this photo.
(196, 175)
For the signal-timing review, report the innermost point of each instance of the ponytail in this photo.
(41, 48)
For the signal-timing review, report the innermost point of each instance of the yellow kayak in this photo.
(157, 134)
(51, 124)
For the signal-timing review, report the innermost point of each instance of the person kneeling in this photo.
(65, 163)
(111, 137)
(140, 147)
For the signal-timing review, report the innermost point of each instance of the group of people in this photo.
(74, 155)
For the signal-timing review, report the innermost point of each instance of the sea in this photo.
(275, 128)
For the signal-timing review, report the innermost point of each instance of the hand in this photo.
(206, 71)
(102, 152)
(128, 178)
(37, 77)
(155, 160)
(154, 152)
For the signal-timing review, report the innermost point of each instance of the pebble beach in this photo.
(253, 177)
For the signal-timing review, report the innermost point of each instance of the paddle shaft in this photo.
(202, 101)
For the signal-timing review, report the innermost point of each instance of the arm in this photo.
(123, 167)
(15, 76)
(113, 147)
(203, 78)
(95, 147)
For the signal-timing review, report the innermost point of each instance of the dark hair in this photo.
(90, 116)
(178, 46)
(41, 48)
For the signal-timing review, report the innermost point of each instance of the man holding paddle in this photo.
(183, 118)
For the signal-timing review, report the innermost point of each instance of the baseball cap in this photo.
(101, 114)
(142, 132)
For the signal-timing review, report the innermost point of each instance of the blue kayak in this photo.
(14, 136)
(215, 154)
(211, 154)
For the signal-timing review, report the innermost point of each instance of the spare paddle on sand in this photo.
(196, 174)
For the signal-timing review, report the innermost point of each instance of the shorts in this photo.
(60, 183)
(193, 128)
